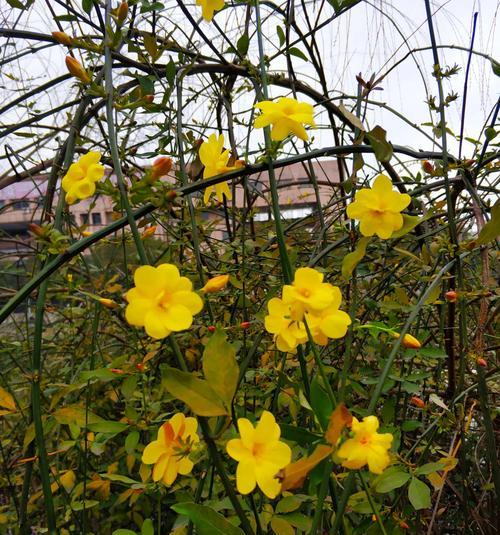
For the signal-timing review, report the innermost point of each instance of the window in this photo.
(261, 216)
(109, 217)
(84, 219)
(296, 213)
(20, 205)
(96, 218)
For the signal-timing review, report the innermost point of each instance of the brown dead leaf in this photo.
(295, 473)
(338, 420)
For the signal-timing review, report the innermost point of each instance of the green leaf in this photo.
(147, 527)
(351, 260)
(300, 521)
(410, 425)
(124, 532)
(220, 367)
(390, 479)
(131, 441)
(294, 51)
(194, 392)
(496, 67)
(108, 426)
(16, 4)
(320, 403)
(409, 223)
(281, 527)
(76, 416)
(353, 119)
(429, 468)
(300, 435)
(78, 506)
(419, 494)
(102, 374)
(288, 504)
(170, 72)
(242, 44)
(206, 520)
(87, 6)
(281, 35)
(492, 229)
(121, 479)
(381, 147)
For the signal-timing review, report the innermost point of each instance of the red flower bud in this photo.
(427, 167)
(149, 98)
(161, 167)
(403, 525)
(118, 371)
(415, 400)
(140, 366)
(121, 13)
(37, 230)
(482, 363)
(211, 328)
(245, 324)
(451, 296)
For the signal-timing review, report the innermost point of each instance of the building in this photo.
(21, 203)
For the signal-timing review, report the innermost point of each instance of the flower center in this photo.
(305, 292)
(258, 449)
(364, 441)
(165, 299)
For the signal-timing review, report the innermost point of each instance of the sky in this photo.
(372, 37)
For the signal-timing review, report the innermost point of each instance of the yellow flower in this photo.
(366, 447)
(260, 455)
(329, 323)
(378, 209)
(79, 181)
(215, 158)
(169, 453)
(208, 8)
(281, 321)
(309, 289)
(287, 116)
(162, 301)
(216, 284)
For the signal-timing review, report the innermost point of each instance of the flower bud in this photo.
(245, 324)
(118, 371)
(161, 167)
(108, 303)
(481, 362)
(418, 402)
(451, 296)
(211, 328)
(140, 366)
(409, 341)
(404, 525)
(37, 230)
(427, 167)
(149, 232)
(149, 98)
(76, 69)
(121, 13)
(215, 284)
(62, 38)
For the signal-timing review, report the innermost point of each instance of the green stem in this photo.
(113, 146)
(275, 204)
(372, 503)
(212, 449)
(321, 498)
